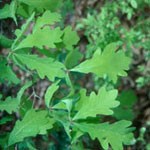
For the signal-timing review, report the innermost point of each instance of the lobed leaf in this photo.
(115, 134)
(102, 103)
(42, 37)
(108, 63)
(44, 66)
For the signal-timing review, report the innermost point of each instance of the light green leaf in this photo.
(9, 105)
(9, 11)
(44, 66)
(46, 4)
(133, 3)
(108, 63)
(47, 18)
(70, 38)
(50, 91)
(42, 37)
(6, 73)
(102, 103)
(115, 134)
(33, 123)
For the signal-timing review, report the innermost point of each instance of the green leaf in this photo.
(47, 18)
(8, 11)
(108, 63)
(72, 58)
(44, 66)
(9, 105)
(102, 103)
(42, 37)
(47, 4)
(70, 38)
(124, 111)
(5, 42)
(50, 91)
(22, 90)
(133, 3)
(33, 123)
(115, 134)
(6, 73)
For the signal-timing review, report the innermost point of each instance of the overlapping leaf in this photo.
(44, 66)
(115, 134)
(108, 63)
(102, 103)
(33, 123)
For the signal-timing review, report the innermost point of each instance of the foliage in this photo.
(47, 51)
